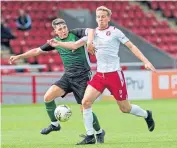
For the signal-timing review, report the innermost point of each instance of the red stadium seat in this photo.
(5, 61)
(7, 71)
(92, 58)
(162, 5)
(57, 59)
(167, 13)
(31, 60)
(16, 49)
(154, 5)
(124, 68)
(56, 68)
(93, 68)
(45, 69)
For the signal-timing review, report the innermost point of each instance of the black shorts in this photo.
(77, 85)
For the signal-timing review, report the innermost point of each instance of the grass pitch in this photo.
(21, 125)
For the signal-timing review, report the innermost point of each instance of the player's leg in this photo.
(118, 83)
(93, 91)
(52, 93)
(126, 107)
(136, 110)
(90, 96)
(78, 85)
(59, 89)
(100, 133)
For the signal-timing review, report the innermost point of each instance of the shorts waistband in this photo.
(108, 72)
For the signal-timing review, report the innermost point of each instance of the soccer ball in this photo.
(62, 113)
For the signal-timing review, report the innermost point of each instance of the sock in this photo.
(99, 132)
(88, 121)
(137, 111)
(55, 123)
(96, 124)
(50, 107)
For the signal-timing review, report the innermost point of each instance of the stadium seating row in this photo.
(129, 16)
(169, 8)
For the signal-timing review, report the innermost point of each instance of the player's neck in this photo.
(63, 38)
(103, 28)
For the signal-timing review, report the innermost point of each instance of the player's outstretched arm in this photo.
(68, 45)
(28, 54)
(91, 33)
(140, 56)
(90, 46)
(81, 32)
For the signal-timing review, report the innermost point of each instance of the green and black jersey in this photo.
(75, 62)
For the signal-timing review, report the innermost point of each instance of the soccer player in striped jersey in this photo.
(109, 75)
(77, 73)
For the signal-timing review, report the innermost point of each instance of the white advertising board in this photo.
(139, 85)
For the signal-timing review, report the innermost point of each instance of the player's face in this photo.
(62, 31)
(102, 19)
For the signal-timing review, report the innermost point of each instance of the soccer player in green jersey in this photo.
(76, 75)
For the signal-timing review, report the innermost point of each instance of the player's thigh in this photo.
(117, 86)
(64, 84)
(91, 94)
(53, 92)
(78, 87)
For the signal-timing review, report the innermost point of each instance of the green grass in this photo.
(21, 125)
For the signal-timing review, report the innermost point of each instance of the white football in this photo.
(62, 113)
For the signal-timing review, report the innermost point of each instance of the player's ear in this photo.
(109, 18)
(55, 31)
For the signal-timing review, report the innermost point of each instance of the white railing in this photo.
(22, 66)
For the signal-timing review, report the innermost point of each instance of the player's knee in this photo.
(47, 98)
(125, 109)
(86, 103)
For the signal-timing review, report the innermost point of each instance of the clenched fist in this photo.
(13, 59)
(91, 48)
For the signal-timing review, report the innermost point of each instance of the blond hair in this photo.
(103, 8)
(57, 21)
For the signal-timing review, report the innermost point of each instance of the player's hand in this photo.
(13, 59)
(149, 66)
(52, 42)
(91, 48)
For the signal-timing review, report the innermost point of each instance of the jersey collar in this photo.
(103, 29)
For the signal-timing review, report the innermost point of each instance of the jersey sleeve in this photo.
(121, 36)
(46, 47)
(85, 38)
(79, 32)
